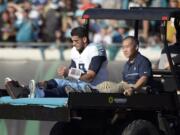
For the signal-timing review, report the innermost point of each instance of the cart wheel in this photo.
(57, 129)
(140, 127)
(61, 128)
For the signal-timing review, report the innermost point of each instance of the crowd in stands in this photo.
(52, 21)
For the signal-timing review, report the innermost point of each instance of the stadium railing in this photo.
(61, 51)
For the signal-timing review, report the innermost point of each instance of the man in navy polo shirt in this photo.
(137, 71)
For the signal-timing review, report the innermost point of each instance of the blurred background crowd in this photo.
(49, 22)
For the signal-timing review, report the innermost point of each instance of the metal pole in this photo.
(172, 69)
(86, 25)
(136, 26)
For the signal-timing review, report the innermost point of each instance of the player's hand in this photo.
(129, 91)
(62, 71)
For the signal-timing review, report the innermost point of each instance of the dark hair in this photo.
(80, 32)
(132, 38)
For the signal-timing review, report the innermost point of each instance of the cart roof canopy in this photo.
(133, 14)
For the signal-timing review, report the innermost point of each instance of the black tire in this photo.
(57, 129)
(75, 127)
(61, 128)
(140, 127)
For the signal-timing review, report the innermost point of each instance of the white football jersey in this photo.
(83, 61)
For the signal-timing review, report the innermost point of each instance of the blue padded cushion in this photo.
(46, 102)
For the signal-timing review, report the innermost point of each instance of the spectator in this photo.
(104, 36)
(121, 31)
(12, 12)
(39, 2)
(52, 22)
(170, 25)
(159, 3)
(59, 39)
(6, 27)
(23, 24)
(37, 15)
(114, 4)
(145, 24)
(3, 5)
(68, 5)
(173, 3)
(25, 29)
(78, 18)
(86, 4)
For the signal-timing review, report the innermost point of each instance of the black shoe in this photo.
(3, 92)
(15, 90)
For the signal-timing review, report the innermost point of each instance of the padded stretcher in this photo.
(49, 109)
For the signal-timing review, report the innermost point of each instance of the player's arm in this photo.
(63, 71)
(73, 64)
(94, 68)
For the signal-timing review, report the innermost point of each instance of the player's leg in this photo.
(51, 88)
(50, 84)
(64, 88)
(80, 86)
(17, 90)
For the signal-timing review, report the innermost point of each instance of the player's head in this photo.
(130, 46)
(79, 38)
